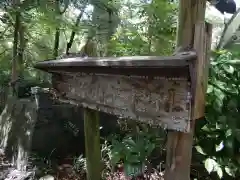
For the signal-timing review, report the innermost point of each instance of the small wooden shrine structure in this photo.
(165, 91)
(154, 90)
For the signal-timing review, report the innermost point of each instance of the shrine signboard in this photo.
(153, 90)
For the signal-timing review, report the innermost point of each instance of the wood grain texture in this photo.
(193, 32)
(154, 100)
(92, 144)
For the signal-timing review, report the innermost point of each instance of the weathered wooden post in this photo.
(154, 90)
(193, 33)
(92, 144)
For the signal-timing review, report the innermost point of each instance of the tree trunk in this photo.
(69, 44)
(22, 45)
(59, 13)
(56, 43)
(104, 17)
(191, 33)
(15, 49)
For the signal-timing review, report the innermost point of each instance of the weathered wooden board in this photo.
(154, 100)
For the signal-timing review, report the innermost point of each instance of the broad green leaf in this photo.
(129, 141)
(200, 150)
(229, 171)
(115, 157)
(209, 164)
(219, 147)
(233, 62)
(219, 172)
(228, 133)
(229, 69)
(132, 158)
(209, 89)
(206, 128)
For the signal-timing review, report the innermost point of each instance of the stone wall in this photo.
(40, 125)
(59, 129)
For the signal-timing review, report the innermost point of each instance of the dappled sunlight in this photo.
(22, 156)
(5, 127)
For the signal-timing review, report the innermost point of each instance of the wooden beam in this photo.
(119, 62)
(92, 144)
(193, 33)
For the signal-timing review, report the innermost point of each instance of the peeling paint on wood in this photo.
(155, 100)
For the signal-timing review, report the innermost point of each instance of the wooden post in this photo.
(92, 144)
(193, 32)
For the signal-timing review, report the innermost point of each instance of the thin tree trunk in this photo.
(57, 32)
(56, 43)
(15, 50)
(69, 44)
(22, 45)
(102, 10)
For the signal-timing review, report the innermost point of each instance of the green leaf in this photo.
(132, 158)
(150, 148)
(206, 128)
(233, 62)
(219, 172)
(229, 171)
(228, 133)
(229, 69)
(129, 142)
(210, 89)
(200, 150)
(219, 147)
(219, 94)
(209, 164)
(115, 157)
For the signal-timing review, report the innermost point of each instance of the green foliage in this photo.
(150, 32)
(218, 140)
(132, 150)
(79, 164)
(138, 28)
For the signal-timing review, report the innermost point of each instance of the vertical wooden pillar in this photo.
(193, 33)
(92, 144)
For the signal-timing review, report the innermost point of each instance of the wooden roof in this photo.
(138, 65)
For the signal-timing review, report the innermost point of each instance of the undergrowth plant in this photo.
(132, 150)
(218, 136)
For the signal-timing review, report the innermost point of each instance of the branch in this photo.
(3, 52)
